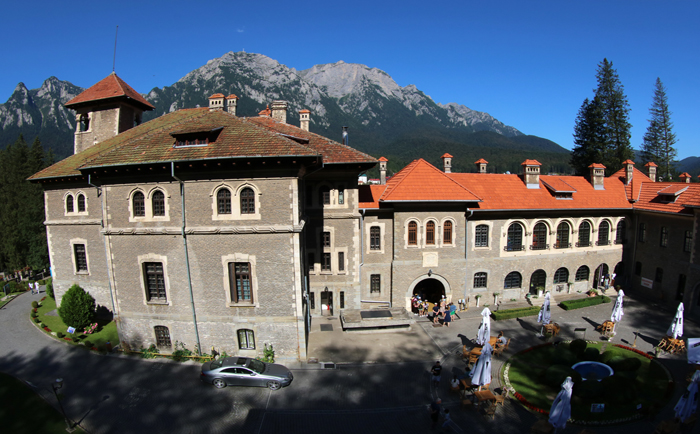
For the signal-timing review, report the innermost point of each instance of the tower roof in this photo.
(110, 88)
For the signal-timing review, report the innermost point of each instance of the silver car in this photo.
(244, 371)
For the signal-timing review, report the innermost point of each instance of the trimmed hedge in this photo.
(519, 312)
(584, 302)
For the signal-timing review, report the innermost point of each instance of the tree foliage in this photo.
(657, 145)
(22, 232)
(77, 308)
(602, 129)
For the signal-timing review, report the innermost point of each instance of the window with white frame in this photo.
(81, 202)
(138, 204)
(481, 236)
(246, 339)
(430, 233)
(375, 242)
(223, 201)
(158, 204)
(69, 204)
(240, 282)
(447, 232)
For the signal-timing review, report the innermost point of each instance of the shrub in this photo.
(49, 290)
(584, 302)
(74, 339)
(578, 347)
(563, 356)
(588, 389)
(591, 354)
(610, 353)
(88, 344)
(555, 375)
(34, 314)
(77, 307)
(35, 304)
(515, 313)
(618, 389)
(36, 320)
(147, 353)
(625, 364)
(59, 335)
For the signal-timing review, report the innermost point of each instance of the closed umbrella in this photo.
(484, 333)
(617, 309)
(481, 373)
(561, 407)
(545, 316)
(676, 329)
(688, 403)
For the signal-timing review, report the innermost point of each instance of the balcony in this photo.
(583, 244)
(620, 241)
(602, 243)
(562, 246)
(539, 247)
(514, 248)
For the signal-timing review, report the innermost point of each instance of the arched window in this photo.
(69, 203)
(375, 242)
(538, 281)
(324, 195)
(621, 232)
(563, 236)
(584, 234)
(604, 233)
(246, 339)
(480, 280)
(513, 280)
(139, 204)
(447, 233)
(223, 201)
(430, 233)
(539, 237)
(247, 201)
(582, 273)
(412, 233)
(561, 275)
(158, 203)
(481, 236)
(81, 203)
(515, 237)
(162, 337)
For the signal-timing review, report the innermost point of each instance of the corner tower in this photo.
(104, 110)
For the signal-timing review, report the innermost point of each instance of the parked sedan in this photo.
(244, 371)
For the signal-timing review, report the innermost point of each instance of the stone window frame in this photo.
(561, 276)
(148, 205)
(621, 231)
(78, 196)
(375, 238)
(580, 232)
(338, 196)
(249, 336)
(512, 273)
(547, 229)
(601, 232)
(580, 276)
(418, 233)
(663, 236)
(481, 279)
(642, 232)
(480, 245)
(162, 333)
(74, 201)
(688, 241)
(375, 283)
(83, 242)
(240, 257)
(235, 190)
(448, 241)
(435, 233)
(523, 236)
(68, 202)
(557, 244)
(382, 241)
(153, 257)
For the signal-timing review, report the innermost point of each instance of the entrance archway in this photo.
(431, 290)
(538, 280)
(600, 272)
(619, 274)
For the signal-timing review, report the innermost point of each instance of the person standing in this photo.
(446, 421)
(447, 318)
(435, 408)
(436, 370)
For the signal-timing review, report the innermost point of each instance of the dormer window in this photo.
(195, 137)
(194, 141)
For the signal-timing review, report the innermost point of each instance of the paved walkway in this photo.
(113, 394)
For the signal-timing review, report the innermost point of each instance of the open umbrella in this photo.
(484, 333)
(545, 316)
(676, 329)
(693, 346)
(481, 373)
(561, 407)
(688, 403)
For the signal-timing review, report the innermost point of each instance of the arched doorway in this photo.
(431, 290)
(619, 275)
(600, 272)
(538, 281)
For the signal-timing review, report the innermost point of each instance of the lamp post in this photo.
(56, 385)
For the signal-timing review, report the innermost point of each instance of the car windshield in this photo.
(257, 366)
(217, 363)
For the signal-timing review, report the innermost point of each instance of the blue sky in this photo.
(530, 63)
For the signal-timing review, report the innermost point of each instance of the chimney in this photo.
(597, 176)
(382, 170)
(629, 171)
(216, 102)
(346, 139)
(651, 170)
(481, 165)
(265, 112)
(685, 177)
(231, 103)
(447, 162)
(304, 119)
(279, 111)
(531, 173)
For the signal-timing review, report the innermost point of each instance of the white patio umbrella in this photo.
(484, 333)
(676, 329)
(481, 373)
(693, 346)
(545, 316)
(688, 404)
(561, 407)
(617, 309)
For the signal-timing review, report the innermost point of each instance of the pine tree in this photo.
(659, 137)
(588, 136)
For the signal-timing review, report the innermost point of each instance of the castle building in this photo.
(220, 231)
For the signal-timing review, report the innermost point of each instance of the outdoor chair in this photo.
(501, 399)
(491, 411)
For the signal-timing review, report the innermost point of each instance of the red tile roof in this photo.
(481, 161)
(111, 87)
(673, 190)
(531, 163)
(266, 112)
(369, 196)
(304, 111)
(556, 184)
(651, 164)
(383, 159)
(686, 195)
(232, 96)
(446, 155)
(633, 189)
(217, 95)
(596, 166)
(628, 162)
(420, 181)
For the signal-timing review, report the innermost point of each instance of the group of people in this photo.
(34, 287)
(442, 310)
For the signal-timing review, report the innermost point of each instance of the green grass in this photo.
(106, 330)
(23, 411)
(527, 376)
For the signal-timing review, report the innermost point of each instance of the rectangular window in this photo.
(155, 281)
(412, 233)
(638, 268)
(481, 236)
(326, 262)
(240, 282)
(375, 284)
(688, 241)
(659, 275)
(246, 339)
(311, 259)
(341, 196)
(162, 337)
(642, 235)
(312, 300)
(375, 238)
(342, 299)
(341, 261)
(480, 280)
(326, 239)
(80, 258)
(663, 241)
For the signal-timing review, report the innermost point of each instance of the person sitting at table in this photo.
(454, 383)
(501, 339)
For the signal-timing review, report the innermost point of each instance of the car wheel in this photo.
(274, 385)
(219, 383)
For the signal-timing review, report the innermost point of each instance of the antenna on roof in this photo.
(114, 59)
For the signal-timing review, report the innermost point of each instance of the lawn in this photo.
(23, 411)
(106, 330)
(537, 374)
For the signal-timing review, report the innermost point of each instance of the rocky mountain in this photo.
(383, 117)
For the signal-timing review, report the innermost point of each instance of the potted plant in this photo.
(477, 296)
(571, 285)
(495, 297)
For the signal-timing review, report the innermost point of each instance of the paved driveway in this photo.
(109, 394)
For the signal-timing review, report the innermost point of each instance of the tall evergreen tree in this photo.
(659, 138)
(589, 136)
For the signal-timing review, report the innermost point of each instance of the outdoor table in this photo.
(667, 427)
(606, 328)
(493, 340)
(485, 395)
(551, 329)
(672, 345)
